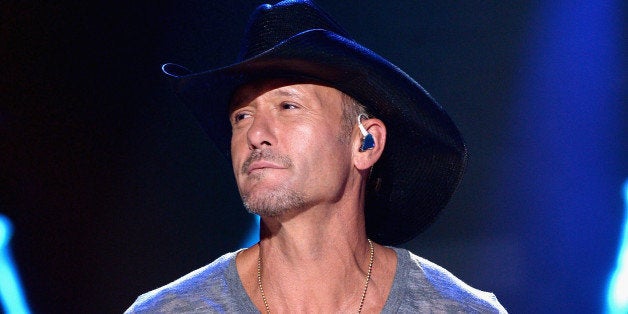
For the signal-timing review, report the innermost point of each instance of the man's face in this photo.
(288, 148)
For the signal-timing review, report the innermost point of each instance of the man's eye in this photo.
(240, 116)
(288, 106)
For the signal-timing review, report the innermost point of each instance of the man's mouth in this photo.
(264, 159)
(262, 164)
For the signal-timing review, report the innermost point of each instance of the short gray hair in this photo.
(351, 109)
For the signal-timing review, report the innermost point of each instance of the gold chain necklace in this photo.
(366, 285)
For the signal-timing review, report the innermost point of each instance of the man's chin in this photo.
(273, 203)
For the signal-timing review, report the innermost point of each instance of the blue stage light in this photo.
(563, 167)
(252, 236)
(11, 293)
(617, 296)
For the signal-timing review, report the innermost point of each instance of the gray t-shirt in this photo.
(419, 286)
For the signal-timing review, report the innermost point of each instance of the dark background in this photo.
(114, 190)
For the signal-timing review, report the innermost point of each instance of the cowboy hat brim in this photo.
(425, 155)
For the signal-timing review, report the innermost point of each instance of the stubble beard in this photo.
(276, 202)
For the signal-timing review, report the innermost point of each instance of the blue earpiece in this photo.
(367, 138)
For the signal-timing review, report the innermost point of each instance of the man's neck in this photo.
(316, 264)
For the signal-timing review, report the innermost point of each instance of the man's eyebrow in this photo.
(239, 98)
(291, 92)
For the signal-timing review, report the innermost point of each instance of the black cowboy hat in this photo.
(425, 155)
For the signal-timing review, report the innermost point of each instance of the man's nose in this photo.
(261, 132)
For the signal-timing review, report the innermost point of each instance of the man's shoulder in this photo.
(190, 292)
(429, 285)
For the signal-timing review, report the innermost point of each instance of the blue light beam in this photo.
(11, 293)
(617, 295)
(563, 154)
(252, 237)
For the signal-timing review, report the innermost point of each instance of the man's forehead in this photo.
(277, 87)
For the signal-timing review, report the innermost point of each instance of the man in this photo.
(337, 150)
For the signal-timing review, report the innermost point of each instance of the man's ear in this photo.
(364, 160)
